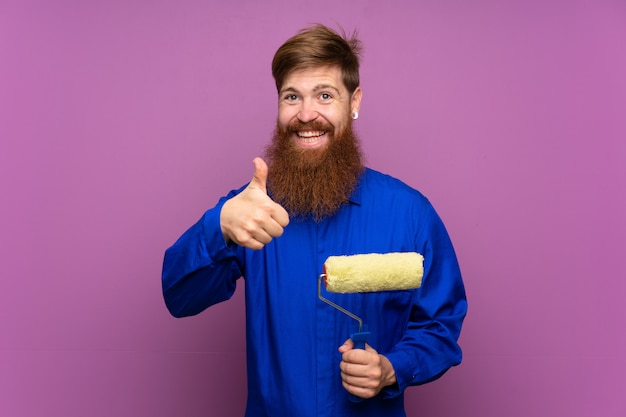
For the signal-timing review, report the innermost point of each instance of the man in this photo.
(309, 199)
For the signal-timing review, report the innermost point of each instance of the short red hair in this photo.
(318, 46)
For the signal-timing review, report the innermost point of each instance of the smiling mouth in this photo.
(310, 136)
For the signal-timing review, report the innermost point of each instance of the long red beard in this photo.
(313, 183)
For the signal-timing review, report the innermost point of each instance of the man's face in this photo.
(315, 106)
(314, 157)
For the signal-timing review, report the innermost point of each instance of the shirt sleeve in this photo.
(429, 345)
(200, 269)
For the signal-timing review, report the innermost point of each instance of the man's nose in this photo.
(307, 112)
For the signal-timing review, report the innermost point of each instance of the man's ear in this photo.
(355, 100)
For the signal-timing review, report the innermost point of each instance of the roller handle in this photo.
(359, 339)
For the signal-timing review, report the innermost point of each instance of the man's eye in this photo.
(291, 97)
(325, 96)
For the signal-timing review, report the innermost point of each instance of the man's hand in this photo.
(251, 218)
(364, 373)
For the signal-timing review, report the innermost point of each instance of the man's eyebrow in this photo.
(326, 87)
(288, 90)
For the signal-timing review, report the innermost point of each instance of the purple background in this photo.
(122, 121)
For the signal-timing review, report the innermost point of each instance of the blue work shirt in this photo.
(292, 336)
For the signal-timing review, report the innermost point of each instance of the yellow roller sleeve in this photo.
(373, 272)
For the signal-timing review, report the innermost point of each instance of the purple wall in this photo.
(122, 121)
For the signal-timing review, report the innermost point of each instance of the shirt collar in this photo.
(356, 196)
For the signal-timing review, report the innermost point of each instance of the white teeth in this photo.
(310, 134)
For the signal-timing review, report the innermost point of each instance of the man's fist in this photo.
(364, 372)
(251, 218)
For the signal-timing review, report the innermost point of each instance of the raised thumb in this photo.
(259, 180)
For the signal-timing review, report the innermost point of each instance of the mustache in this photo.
(297, 125)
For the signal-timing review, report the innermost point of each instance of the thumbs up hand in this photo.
(251, 218)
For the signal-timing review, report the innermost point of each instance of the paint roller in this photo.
(370, 272)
